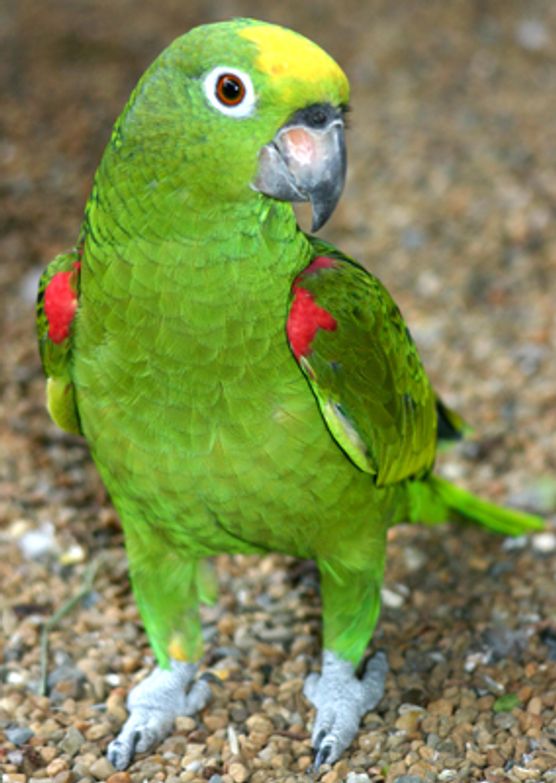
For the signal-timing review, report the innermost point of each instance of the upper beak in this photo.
(306, 161)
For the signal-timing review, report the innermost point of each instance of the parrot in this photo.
(243, 386)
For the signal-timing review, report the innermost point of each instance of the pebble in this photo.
(119, 777)
(38, 543)
(358, 777)
(98, 731)
(238, 772)
(185, 723)
(72, 741)
(18, 735)
(544, 543)
(56, 766)
(101, 769)
(65, 776)
(391, 599)
(441, 707)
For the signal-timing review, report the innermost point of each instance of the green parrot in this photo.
(243, 386)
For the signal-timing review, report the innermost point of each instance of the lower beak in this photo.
(306, 162)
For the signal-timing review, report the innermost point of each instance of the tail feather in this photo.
(455, 501)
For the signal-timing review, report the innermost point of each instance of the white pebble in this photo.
(532, 34)
(544, 542)
(38, 543)
(391, 599)
(233, 741)
(357, 777)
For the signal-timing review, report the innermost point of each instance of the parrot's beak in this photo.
(306, 161)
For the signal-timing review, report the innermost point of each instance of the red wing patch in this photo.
(306, 317)
(60, 303)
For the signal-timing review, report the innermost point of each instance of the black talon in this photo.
(320, 736)
(135, 739)
(211, 678)
(321, 757)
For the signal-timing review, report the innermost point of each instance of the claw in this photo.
(341, 701)
(323, 753)
(154, 704)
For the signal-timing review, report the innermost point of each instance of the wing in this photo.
(57, 302)
(352, 344)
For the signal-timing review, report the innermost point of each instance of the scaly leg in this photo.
(351, 604)
(154, 705)
(167, 589)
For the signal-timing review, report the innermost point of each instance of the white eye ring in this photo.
(245, 102)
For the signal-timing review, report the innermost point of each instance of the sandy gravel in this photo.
(451, 200)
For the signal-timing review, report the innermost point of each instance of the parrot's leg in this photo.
(351, 604)
(167, 589)
(154, 705)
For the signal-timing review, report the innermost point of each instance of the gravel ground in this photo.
(451, 200)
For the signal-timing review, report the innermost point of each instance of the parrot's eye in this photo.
(230, 91)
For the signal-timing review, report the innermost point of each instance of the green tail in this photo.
(458, 503)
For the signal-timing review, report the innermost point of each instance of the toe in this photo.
(198, 697)
(328, 750)
(121, 751)
(310, 687)
(373, 681)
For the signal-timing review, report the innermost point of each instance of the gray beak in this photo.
(306, 161)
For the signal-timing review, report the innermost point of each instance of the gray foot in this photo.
(153, 706)
(341, 700)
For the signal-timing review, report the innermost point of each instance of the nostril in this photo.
(318, 117)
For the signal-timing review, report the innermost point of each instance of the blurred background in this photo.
(450, 200)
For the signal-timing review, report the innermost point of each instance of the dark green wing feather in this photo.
(365, 371)
(57, 300)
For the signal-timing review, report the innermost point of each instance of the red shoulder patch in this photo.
(60, 303)
(306, 317)
(320, 262)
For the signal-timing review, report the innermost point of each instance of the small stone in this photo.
(65, 776)
(544, 543)
(304, 762)
(238, 772)
(72, 741)
(409, 721)
(119, 777)
(260, 724)
(98, 731)
(216, 719)
(358, 777)
(409, 779)
(440, 707)
(13, 777)
(390, 599)
(115, 705)
(38, 543)
(56, 766)
(18, 735)
(101, 769)
(185, 723)
(535, 706)
(48, 753)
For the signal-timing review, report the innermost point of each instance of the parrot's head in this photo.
(243, 110)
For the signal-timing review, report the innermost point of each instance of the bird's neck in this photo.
(163, 245)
